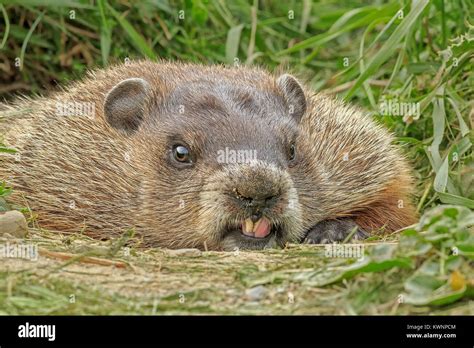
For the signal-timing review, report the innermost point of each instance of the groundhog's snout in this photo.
(258, 189)
(257, 194)
(260, 202)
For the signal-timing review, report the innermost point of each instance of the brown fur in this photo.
(79, 173)
(358, 172)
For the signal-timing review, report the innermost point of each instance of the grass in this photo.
(300, 279)
(368, 54)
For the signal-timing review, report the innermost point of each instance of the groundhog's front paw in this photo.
(330, 231)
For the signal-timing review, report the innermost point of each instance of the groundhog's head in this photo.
(216, 159)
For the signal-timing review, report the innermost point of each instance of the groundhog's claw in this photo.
(330, 231)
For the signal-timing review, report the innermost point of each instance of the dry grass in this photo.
(159, 281)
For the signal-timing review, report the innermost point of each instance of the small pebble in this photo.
(185, 252)
(256, 293)
(13, 223)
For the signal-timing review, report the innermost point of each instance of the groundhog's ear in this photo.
(124, 104)
(294, 95)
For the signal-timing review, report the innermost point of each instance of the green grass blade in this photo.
(105, 32)
(341, 21)
(449, 198)
(439, 123)
(387, 49)
(443, 23)
(137, 40)
(51, 3)
(462, 125)
(441, 178)
(27, 38)
(232, 43)
(320, 39)
(7, 27)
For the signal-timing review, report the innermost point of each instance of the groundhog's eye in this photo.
(292, 152)
(181, 154)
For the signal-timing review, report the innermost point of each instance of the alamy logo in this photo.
(19, 251)
(75, 109)
(350, 251)
(393, 107)
(236, 156)
(33, 331)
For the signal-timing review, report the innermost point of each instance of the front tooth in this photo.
(262, 228)
(255, 226)
(248, 225)
(261, 223)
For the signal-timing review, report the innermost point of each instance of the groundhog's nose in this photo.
(257, 201)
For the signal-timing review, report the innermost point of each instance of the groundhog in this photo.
(210, 157)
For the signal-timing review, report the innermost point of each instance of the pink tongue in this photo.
(263, 228)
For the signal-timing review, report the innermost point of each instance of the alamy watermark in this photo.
(347, 251)
(75, 109)
(19, 251)
(394, 107)
(236, 156)
(28, 330)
